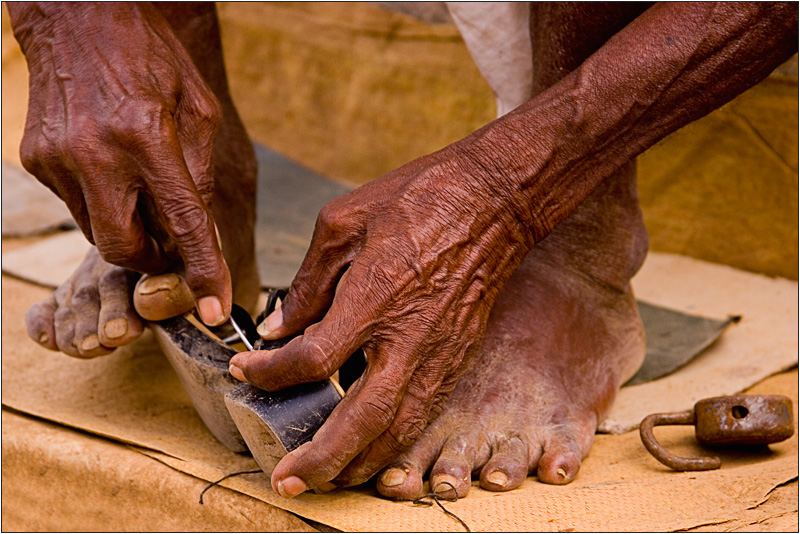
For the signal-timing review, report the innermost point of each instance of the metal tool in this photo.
(720, 421)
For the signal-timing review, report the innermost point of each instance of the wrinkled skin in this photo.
(409, 266)
(121, 126)
(422, 311)
(527, 172)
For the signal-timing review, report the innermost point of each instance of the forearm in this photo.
(671, 66)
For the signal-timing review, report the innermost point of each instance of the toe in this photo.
(63, 321)
(508, 466)
(40, 323)
(85, 313)
(163, 296)
(400, 482)
(559, 464)
(118, 323)
(451, 475)
(402, 479)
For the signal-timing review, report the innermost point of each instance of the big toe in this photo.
(162, 296)
(400, 482)
(402, 479)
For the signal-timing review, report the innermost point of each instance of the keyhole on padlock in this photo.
(740, 412)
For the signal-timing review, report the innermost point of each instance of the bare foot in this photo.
(93, 312)
(90, 314)
(563, 336)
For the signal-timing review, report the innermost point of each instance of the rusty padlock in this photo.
(719, 421)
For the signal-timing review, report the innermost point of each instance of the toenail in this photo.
(162, 282)
(237, 373)
(210, 310)
(90, 342)
(44, 339)
(498, 478)
(562, 473)
(393, 477)
(445, 483)
(116, 328)
(291, 487)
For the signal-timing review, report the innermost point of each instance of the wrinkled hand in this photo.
(121, 126)
(407, 267)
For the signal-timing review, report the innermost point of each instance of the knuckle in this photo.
(331, 221)
(188, 222)
(30, 155)
(210, 111)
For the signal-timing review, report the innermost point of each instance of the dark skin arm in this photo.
(121, 126)
(408, 266)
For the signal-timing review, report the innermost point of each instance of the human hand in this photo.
(406, 267)
(121, 127)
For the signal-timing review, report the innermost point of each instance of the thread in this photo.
(421, 501)
(227, 476)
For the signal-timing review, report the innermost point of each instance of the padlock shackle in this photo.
(661, 454)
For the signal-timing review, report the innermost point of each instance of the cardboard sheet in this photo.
(50, 261)
(134, 396)
(56, 479)
(29, 208)
(763, 343)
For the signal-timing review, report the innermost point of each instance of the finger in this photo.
(318, 353)
(314, 286)
(119, 232)
(412, 417)
(188, 221)
(312, 357)
(356, 421)
(43, 162)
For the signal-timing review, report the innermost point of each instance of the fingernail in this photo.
(90, 342)
(270, 324)
(161, 282)
(44, 338)
(393, 477)
(560, 472)
(237, 373)
(498, 478)
(326, 487)
(210, 310)
(115, 328)
(291, 487)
